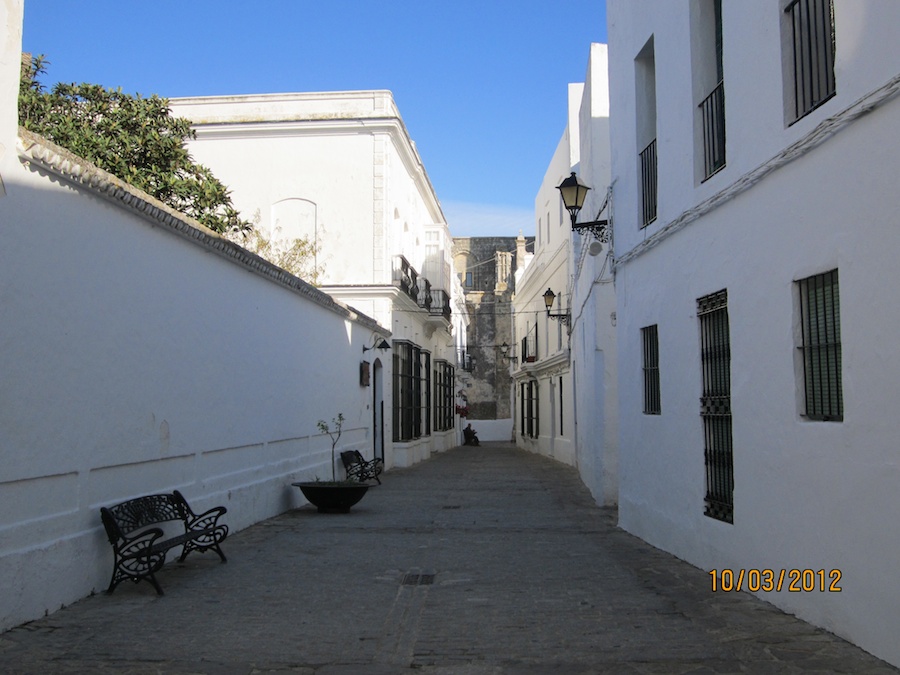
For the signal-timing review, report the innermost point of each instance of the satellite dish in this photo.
(595, 248)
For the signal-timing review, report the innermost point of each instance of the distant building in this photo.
(341, 168)
(486, 268)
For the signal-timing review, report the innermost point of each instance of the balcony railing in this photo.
(465, 360)
(713, 112)
(529, 348)
(648, 183)
(440, 304)
(406, 278)
(425, 298)
(812, 35)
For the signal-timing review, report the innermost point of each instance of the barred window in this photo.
(809, 28)
(710, 83)
(650, 340)
(715, 405)
(444, 409)
(820, 319)
(561, 415)
(426, 393)
(412, 400)
(529, 409)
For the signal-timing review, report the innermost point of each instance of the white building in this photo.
(341, 168)
(143, 353)
(564, 376)
(756, 248)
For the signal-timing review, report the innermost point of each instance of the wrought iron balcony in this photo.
(406, 278)
(649, 185)
(529, 348)
(712, 110)
(440, 304)
(425, 297)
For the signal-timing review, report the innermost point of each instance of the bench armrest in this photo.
(139, 545)
(204, 521)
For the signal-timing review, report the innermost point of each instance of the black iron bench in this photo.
(360, 469)
(137, 540)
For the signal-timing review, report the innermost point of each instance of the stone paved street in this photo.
(529, 577)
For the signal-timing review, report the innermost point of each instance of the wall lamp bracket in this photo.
(383, 345)
(565, 318)
(573, 193)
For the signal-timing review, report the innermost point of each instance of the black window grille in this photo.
(648, 183)
(712, 108)
(444, 408)
(820, 317)
(410, 387)
(811, 28)
(449, 400)
(521, 409)
(715, 405)
(426, 393)
(561, 416)
(529, 415)
(650, 340)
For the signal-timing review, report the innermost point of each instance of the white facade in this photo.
(143, 353)
(564, 376)
(793, 201)
(340, 167)
(593, 338)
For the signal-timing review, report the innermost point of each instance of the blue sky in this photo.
(481, 85)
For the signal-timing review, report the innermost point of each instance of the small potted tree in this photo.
(334, 496)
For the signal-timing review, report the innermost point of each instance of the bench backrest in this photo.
(351, 457)
(142, 512)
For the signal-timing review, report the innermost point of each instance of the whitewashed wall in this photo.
(807, 495)
(549, 268)
(142, 354)
(593, 297)
(137, 361)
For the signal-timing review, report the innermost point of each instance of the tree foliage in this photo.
(131, 137)
(297, 256)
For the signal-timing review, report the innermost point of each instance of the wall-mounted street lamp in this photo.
(504, 351)
(564, 318)
(573, 194)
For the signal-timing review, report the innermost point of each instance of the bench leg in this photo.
(208, 541)
(152, 579)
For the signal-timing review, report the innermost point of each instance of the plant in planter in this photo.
(334, 496)
(335, 435)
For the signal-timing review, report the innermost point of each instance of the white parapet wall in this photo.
(492, 430)
(142, 353)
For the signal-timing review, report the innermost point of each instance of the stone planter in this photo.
(333, 497)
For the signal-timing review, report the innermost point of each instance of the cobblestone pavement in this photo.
(529, 577)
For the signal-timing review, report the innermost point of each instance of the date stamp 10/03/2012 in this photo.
(794, 581)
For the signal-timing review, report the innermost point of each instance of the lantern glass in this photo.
(573, 193)
(549, 297)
